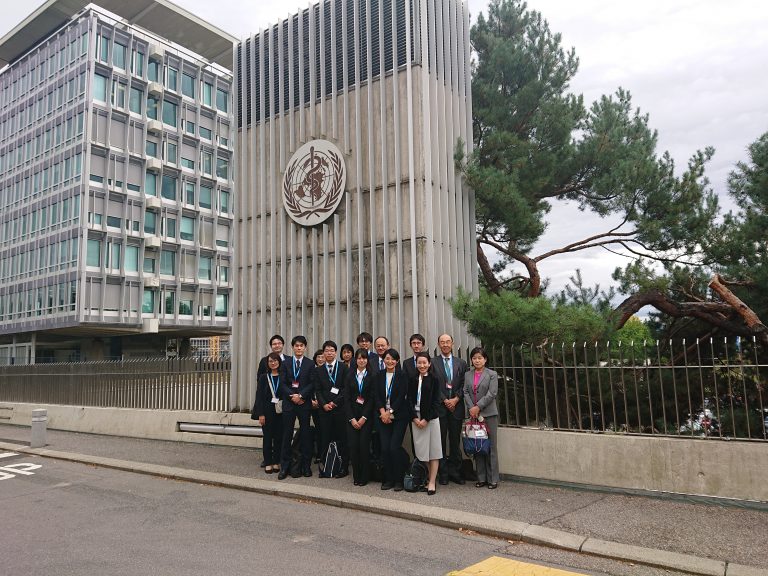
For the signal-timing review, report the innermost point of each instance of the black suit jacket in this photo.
(263, 404)
(398, 400)
(351, 392)
(288, 376)
(456, 382)
(430, 397)
(322, 384)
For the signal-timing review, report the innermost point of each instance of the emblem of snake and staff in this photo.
(312, 184)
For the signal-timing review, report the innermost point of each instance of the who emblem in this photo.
(313, 183)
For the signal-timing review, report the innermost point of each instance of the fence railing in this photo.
(169, 384)
(713, 389)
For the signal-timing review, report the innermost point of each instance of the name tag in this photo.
(449, 386)
(360, 400)
(275, 400)
(334, 390)
(295, 384)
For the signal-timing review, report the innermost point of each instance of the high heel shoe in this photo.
(431, 491)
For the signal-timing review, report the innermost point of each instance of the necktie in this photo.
(381, 364)
(447, 367)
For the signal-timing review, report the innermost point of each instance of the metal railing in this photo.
(168, 384)
(713, 389)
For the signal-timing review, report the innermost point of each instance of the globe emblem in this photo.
(313, 183)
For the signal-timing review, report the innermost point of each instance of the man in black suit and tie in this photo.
(365, 341)
(328, 383)
(417, 342)
(296, 394)
(381, 345)
(449, 372)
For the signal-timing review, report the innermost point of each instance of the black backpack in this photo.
(332, 463)
(416, 478)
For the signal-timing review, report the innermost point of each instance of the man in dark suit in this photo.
(417, 342)
(380, 345)
(365, 341)
(449, 371)
(276, 343)
(296, 394)
(328, 383)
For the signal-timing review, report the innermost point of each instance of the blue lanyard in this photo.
(389, 386)
(360, 380)
(296, 369)
(273, 384)
(332, 376)
(418, 394)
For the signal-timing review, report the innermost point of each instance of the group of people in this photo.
(365, 399)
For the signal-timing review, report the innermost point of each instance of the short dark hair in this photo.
(423, 355)
(316, 354)
(330, 343)
(345, 347)
(393, 353)
(418, 337)
(364, 337)
(479, 350)
(362, 353)
(276, 337)
(298, 339)
(274, 356)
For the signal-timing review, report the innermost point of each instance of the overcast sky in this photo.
(698, 67)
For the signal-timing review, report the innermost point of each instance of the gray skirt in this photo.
(426, 441)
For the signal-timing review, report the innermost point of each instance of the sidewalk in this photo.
(695, 537)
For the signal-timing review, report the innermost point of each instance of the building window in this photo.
(148, 302)
(204, 268)
(100, 88)
(137, 63)
(170, 301)
(93, 257)
(168, 262)
(222, 98)
(150, 183)
(118, 95)
(150, 222)
(188, 85)
(149, 265)
(189, 127)
(135, 102)
(151, 148)
(169, 187)
(102, 48)
(208, 94)
(222, 168)
(153, 71)
(206, 162)
(172, 152)
(205, 197)
(119, 53)
(185, 307)
(187, 163)
(131, 258)
(170, 227)
(169, 113)
(189, 193)
(187, 231)
(222, 305)
(152, 105)
(224, 202)
(224, 274)
(206, 133)
(172, 79)
(114, 222)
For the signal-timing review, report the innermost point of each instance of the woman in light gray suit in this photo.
(481, 386)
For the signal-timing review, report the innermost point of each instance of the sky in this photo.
(699, 68)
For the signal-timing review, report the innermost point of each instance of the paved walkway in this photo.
(690, 536)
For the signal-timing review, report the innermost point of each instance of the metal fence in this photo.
(168, 384)
(712, 389)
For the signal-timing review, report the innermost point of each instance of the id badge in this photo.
(334, 390)
(275, 400)
(360, 400)
(449, 386)
(295, 384)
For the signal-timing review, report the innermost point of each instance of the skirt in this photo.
(426, 441)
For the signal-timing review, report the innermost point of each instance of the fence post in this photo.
(39, 426)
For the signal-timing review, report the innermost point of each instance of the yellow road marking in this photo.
(496, 566)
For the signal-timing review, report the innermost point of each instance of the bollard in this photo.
(39, 425)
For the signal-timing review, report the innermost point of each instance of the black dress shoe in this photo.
(493, 486)
(443, 481)
(307, 473)
(363, 483)
(263, 464)
(356, 483)
(283, 475)
(343, 474)
(399, 487)
(480, 484)
(431, 492)
(387, 486)
(458, 480)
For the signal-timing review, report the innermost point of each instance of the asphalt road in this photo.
(66, 518)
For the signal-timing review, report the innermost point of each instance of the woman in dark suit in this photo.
(424, 402)
(358, 403)
(481, 386)
(264, 410)
(393, 413)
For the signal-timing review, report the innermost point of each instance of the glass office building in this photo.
(116, 189)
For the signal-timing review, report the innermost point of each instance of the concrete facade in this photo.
(116, 192)
(388, 84)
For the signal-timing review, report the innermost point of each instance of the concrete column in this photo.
(39, 426)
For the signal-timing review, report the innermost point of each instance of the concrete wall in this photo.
(710, 468)
(677, 465)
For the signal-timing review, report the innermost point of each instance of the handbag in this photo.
(475, 437)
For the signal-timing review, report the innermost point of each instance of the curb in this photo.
(444, 517)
